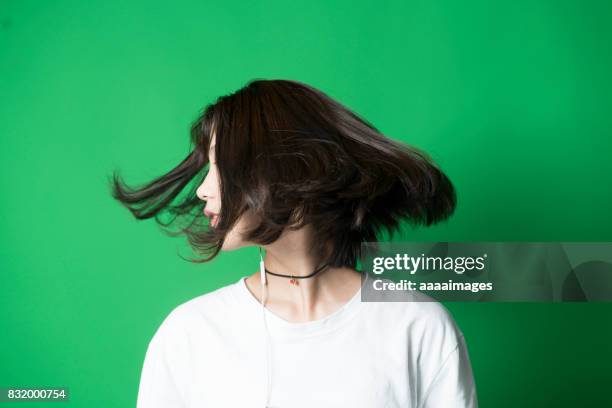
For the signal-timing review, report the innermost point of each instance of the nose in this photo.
(205, 190)
(200, 192)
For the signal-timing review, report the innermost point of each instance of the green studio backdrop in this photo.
(511, 98)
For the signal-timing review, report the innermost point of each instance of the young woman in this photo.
(282, 166)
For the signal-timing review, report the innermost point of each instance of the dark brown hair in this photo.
(294, 156)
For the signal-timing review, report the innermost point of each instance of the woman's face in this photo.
(209, 191)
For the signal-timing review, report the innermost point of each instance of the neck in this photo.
(312, 297)
(289, 257)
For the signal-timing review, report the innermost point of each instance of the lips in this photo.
(213, 217)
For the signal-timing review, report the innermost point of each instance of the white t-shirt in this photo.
(210, 352)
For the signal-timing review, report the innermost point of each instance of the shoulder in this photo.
(196, 313)
(415, 316)
(429, 335)
(169, 359)
(430, 316)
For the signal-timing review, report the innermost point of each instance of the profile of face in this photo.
(298, 130)
(209, 191)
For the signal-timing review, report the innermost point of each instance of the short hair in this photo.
(295, 156)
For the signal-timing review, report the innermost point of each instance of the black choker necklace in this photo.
(293, 279)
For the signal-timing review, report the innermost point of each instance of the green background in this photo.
(511, 98)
